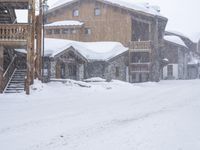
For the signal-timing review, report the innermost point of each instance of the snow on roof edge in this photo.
(92, 51)
(120, 3)
(65, 23)
(175, 39)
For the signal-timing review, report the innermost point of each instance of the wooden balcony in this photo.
(13, 35)
(139, 67)
(15, 4)
(140, 46)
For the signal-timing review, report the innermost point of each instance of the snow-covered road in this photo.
(107, 116)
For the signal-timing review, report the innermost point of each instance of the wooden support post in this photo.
(29, 48)
(39, 42)
(1, 68)
(32, 71)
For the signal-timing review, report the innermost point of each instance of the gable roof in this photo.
(130, 5)
(175, 39)
(92, 51)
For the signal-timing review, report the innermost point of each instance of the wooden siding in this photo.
(113, 24)
(72, 36)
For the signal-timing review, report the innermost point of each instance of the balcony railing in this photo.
(13, 32)
(139, 68)
(15, 4)
(14, 1)
(140, 46)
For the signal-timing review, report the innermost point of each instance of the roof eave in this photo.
(106, 2)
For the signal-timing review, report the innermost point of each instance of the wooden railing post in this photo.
(13, 31)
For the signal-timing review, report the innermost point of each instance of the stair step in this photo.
(12, 92)
(14, 89)
(16, 84)
(17, 80)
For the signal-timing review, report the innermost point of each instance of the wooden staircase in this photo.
(14, 35)
(16, 83)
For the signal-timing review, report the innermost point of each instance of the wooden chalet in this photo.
(139, 29)
(14, 35)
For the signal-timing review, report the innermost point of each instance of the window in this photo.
(65, 31)
(97, 12)
(170, 70)
(56, 31)
(117, 71)
(140, 31)
(49, 32)
(75, 12)
(88, 31)
(73, 31)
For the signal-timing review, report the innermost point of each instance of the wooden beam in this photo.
(33, 43)
(29, 49)
(39, 42)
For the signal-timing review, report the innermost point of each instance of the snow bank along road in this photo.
(107, 116)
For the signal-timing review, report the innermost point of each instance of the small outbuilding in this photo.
(176, 53)
(65, 59)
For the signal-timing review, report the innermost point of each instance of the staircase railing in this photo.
(9, 71)
(13, 31)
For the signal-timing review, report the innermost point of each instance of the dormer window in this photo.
(75, 12)
(97, 12)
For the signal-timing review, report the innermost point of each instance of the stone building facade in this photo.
(73, 63)
(116, 68)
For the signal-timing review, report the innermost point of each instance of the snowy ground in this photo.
(106, 116)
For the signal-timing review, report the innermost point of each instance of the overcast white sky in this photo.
(183, 15)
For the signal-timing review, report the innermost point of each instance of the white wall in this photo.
(175, 72)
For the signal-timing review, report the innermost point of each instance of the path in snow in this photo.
(116, 115)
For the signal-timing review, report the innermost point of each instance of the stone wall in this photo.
(95, 69)
(113, 69)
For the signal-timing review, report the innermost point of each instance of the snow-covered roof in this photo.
(128, 4)
(65, 23)
(102, 51)
(175, 39)
(172, 32)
